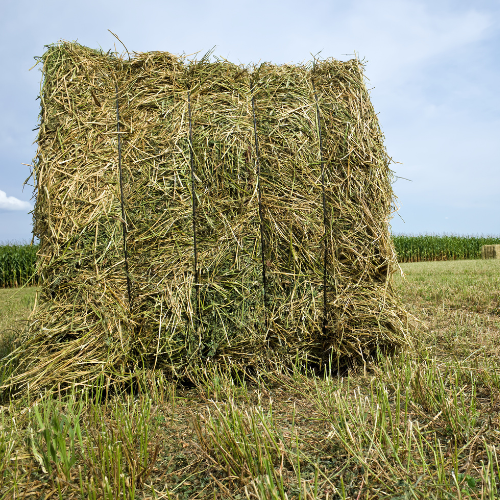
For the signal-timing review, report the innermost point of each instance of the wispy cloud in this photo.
(12, 203)
(401, 38)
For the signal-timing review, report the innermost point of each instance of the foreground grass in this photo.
(423, 424)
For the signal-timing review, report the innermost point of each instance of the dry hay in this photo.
(274, 220)
(490, 252)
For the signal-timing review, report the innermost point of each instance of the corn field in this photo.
(17, 261)
(426, 247)
(17, 264)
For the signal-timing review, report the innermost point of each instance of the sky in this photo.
(433, 70)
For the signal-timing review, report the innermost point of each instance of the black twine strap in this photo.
(325, 219)
(191, 155)
(124, 220)
(262, 241)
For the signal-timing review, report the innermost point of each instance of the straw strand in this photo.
(195, 246)
(325, 219)
(124, 220)
(261, 222)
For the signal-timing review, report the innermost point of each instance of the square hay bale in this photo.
(191, 211)
(490, 252)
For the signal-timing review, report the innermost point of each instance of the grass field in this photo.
(424, 424)
(15, 306)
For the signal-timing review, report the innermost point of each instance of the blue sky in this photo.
(433, 68)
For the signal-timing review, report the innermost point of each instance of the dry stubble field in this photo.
(423, 424)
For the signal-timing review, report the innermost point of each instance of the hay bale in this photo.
(233, 213)
(490, 252)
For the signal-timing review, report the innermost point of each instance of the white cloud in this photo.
(398, 38)
(12, 203)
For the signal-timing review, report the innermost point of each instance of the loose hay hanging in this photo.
(192, 210)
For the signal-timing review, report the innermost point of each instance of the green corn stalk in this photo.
(17, 264)
(432, 247)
